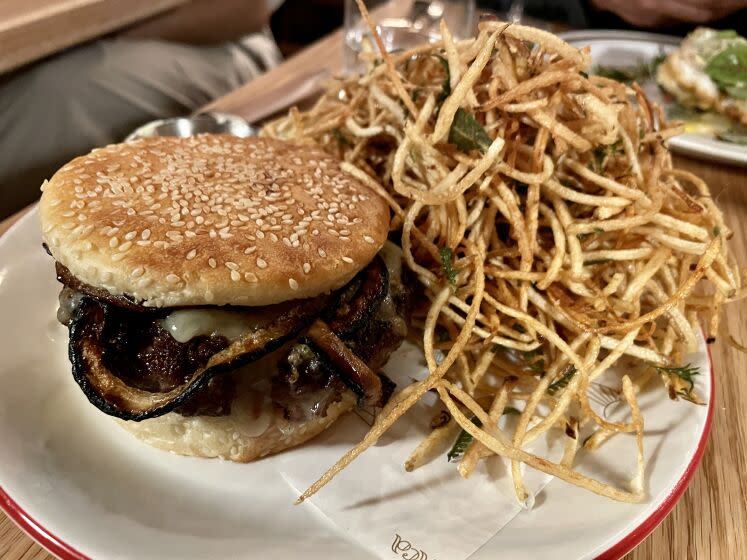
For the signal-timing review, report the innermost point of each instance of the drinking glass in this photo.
(405, 23)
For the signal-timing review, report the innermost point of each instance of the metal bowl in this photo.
(215, 123)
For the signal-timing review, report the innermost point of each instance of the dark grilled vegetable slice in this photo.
(92, 324)
(350, 367)
(360, 300)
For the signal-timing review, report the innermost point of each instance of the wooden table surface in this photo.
(710, 521)
(31, 29)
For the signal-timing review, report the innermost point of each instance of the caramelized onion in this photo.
(351, 368)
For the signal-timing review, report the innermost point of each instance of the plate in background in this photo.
(621, 49)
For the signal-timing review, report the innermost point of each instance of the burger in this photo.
(225, 297)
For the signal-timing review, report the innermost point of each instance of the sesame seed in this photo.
(235, 275)
(233, 189)
(172, 278)
(293, 284)
(232, 265)
(347, 260)
(137, 271)
(116, 257)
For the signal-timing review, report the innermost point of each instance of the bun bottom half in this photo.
(241, 436)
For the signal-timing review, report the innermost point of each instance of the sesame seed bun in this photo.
(211, 219)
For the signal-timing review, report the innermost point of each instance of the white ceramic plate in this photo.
(619, 49)
(85, 489)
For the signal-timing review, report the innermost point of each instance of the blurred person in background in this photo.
(673, 16)
(95, 94)
(667, 16)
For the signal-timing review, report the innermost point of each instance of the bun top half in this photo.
(211, 220)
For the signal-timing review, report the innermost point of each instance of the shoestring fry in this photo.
(539, 209)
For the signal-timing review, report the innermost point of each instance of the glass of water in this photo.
(402, 24)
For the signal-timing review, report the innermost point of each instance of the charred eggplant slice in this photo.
(91, 326)
(360, 299)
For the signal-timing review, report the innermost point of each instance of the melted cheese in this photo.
(392, 256)
(387, 311)
(252, 411)
(69, 302)
(185, 324)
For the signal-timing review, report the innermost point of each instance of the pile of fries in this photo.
(539, 210)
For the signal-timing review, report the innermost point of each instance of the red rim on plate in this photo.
(62, 550)
(33, 529)
(636, 536)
